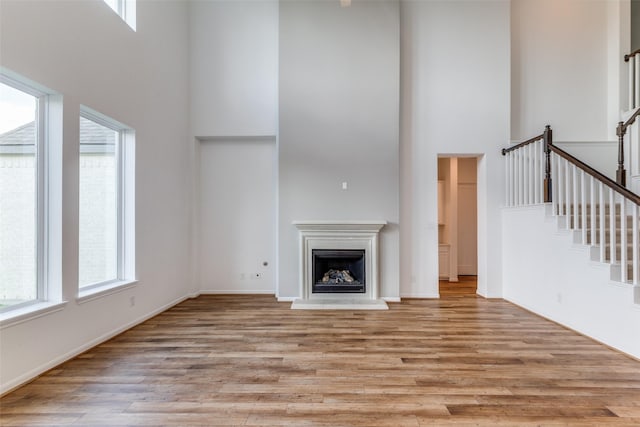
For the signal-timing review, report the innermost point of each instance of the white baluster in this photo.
(534, 173)
(592, 201)
(632, 79)
(516, 190)
(583, 199)
(612, 227)
(636, 82)
(623, 239)
(512, 179)
(567, 194)
(522, 178)
(634, 228)
(603, 241)
(538, 180)
(561, 186)
(575, 202)
(555, 188)
(507, 180)
(543, 160)
(525, 172)
(519, 166)
(530, 173)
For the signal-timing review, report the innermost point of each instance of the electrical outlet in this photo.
(242, 276)
(132, 301)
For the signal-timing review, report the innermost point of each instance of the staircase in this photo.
(571, 235)
(600, 213)
(600, 231)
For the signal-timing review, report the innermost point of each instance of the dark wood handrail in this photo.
(631, 55)
(632, 119)
(597, 175)
(522, 144)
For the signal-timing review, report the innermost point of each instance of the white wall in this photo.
(546, 273)
(234, 67)
(339, 83)
(560, 69)
(233, 89)
(237, 214)
(455, 100)
(602, 156)
(87, 53)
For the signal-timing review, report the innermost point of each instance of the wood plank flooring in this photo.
(249, 360)
(466, 285)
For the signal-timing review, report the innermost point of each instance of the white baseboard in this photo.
(236, 292)
(34, 373)
(421, 296)
(292, 299)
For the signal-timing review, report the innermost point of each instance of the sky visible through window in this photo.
(16, 108)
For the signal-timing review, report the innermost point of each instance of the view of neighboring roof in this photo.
(22, 135)
(22, 139)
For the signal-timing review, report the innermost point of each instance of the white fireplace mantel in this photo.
(350, 225)
(347, 234)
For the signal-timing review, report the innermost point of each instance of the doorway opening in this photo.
(458, 225)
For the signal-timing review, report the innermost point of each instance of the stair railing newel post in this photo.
(548, 141)
(621, 173)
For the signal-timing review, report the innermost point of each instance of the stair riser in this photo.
(590, 221)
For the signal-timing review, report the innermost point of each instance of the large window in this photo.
(104, 185)
(19, 120)
(30, 191)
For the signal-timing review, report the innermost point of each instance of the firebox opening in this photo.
(338, 271)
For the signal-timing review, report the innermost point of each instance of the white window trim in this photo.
(48, 203)
(125, 155)
(92, 292)
(30, 312)
(126, 9)
(42, 204)
(33, 311)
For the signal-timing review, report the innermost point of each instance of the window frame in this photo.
(126, 9)
(48, 213)
(125, 209)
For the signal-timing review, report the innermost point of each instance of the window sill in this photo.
(104, 290)
(29, 312)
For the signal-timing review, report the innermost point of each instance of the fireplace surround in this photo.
(339, 246)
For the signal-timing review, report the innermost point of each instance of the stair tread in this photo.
(580, 224)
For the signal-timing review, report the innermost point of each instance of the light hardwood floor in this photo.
(248, 360)
(466, 285)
